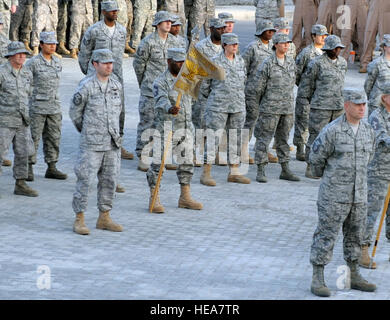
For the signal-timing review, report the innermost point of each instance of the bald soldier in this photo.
(340, 155)
(378, 21)
(305, 16)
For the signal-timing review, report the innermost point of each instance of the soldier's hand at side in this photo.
(13, 8)
(174, 110)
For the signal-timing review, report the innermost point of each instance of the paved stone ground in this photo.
(249, 242)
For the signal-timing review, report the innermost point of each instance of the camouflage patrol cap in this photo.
(48, 37)
(354, 95)
(280, 38)
(162, 16)
(217, 23)
(177, 54)
(264, 25)
(319, 30)
(102, 56)
(16, 47)
(176, 21)
(386, 41)
(282, 23)
(109, 6)
(226, 16)
(332, 42)
(229, 38)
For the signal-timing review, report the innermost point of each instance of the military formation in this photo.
(351, 156)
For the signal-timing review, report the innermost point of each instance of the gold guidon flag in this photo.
(196, 68)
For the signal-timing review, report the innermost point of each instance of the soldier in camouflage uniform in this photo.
(6, 8)
(149, 62)
(96, 111)
(378, 174)
(144, 11)
(21, 23)
(268, 9)
(15, 88)
(45, 106)
(254, 55)
(209, 47)
(81, 20)
(283, 26)
(225, 109)
(106, 34)
(175, 31)
(45, 18)
(378, 77)
(272, 89)
(228, 18)
(322, 87)
(166, 112)
(319, 33)
(62, 26)
(340, 155)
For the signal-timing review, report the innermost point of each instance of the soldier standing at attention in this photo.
(254, 55)
(15, 88)
(272, 90)
(45, 106)
(176, 27)
(149, 62)
(225, 108)
(322, 88)
(340, 155)
(166, 110)
(378, 173)
(302, 109)
(283, 26)
(227, 17)
(105, 34)
(96, 110)
(378, 77)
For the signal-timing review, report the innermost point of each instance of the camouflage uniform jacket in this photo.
(15, 89)
(227, 95)
(150, 60)
(98, 36)
(203, 6)
(323, 83)
(303, 59)
(273, 86)
(341, 159)
(378, 77)
(208, 48)
(45, 97)
(4, 42)
(165, 98)
(145, 5)
(98, 115)
(254, 55)
(380, 164)
(6, 4)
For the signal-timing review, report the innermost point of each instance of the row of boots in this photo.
(356, 281)
(104, 222)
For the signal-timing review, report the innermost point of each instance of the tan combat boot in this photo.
(53, 173)
(22, 189)
(363, 69)
(35, 51)
(6, 163)
(318, 286)
(357, 281)
(185, 200)
(126, 155)
(120, 189)
(171, 166)
(272, 158)
(236, 176)
(62, 49)
(129, 49)
(206, 178)
(73, 54)
(309, 174)
(365, 259)
(158, 207)
(104, 222)
(27, 46)
(79, 224)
